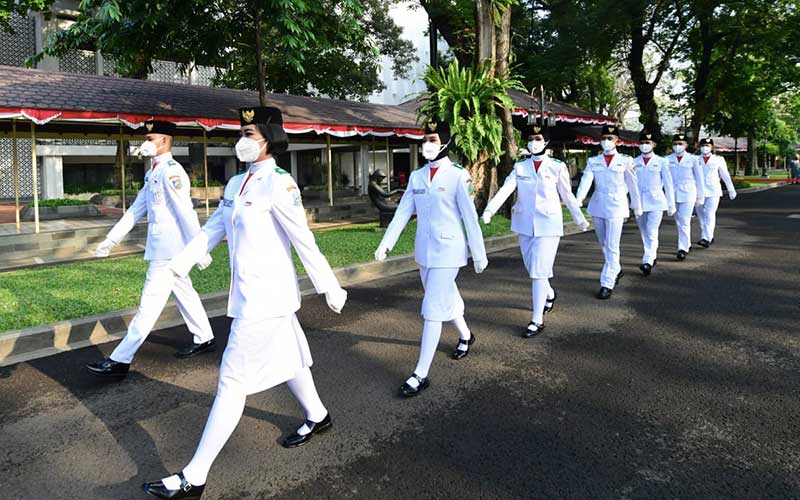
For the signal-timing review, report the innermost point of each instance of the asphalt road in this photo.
(683, 386)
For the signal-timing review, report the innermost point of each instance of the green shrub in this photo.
(198, 183)
(742, 185)
(60, 202)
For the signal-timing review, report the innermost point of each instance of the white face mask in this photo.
(248, 150)
(430, 150)
(679, 148)
(536, 148)
(608, 145)
(149, 148)
(706, 150)
(646, 148)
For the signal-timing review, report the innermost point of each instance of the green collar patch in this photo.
(281, 171)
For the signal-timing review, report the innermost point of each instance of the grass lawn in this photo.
(42, 295)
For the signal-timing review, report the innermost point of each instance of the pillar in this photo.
(52, 177)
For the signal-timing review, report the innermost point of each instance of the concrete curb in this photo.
(763, 187)
(17, 346)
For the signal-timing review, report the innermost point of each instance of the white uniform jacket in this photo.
(688, 178)
(444, 208)
(260, 224)
(537, 211)
(612, 184)
(714, 170)
(655, 184)
(165, 198)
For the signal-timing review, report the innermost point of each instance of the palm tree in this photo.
(469, 99)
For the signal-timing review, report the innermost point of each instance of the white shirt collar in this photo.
(442, 162)
(162, 158)
(268, 163)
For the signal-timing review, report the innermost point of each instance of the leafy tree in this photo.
(469, 100)
(306, 47)
(479, 34)
(9, 8)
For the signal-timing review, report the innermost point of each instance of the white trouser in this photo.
(609, 232)
(683, 220)
(649, 222)
(707, 215)
(159, 283)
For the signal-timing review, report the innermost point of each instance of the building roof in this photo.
(44, 96)
(564, 113)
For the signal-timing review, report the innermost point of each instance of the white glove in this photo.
(336, 299)
(487, 217)
(583, 225)
(381, 252)
(104, 248)
(671, 212)
(580, 202)
(700, 201)
(205, 262)
(480, 265)
(732, 195)
(638, 212)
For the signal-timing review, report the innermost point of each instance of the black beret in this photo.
(436, 126)
(679, 138)
(159, 127)
(266, 115)
(706, 141)
(610, 130)
(646, 135)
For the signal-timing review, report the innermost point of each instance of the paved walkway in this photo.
(682, 386)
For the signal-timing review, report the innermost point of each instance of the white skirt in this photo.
(442, 302)
(539, 254)
(263, 353)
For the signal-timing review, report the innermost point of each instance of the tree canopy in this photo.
(303, 47)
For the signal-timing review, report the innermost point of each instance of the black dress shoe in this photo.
(187, 491)
(458, 353)
(619, 276)
(646, 269)
(704, 243)
(296, 439)
(711, 242)
(407, 391)
(533, 330)
(195, 349)
(604, 293)
(655, 262)
(682, 254)
(549, 304)
(109, 368)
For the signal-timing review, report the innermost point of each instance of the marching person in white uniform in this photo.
(689, 190)
(714, 168)
(658, 195)
(171, 224)
(441, 195)
(262, 217)
(614, 177)
(541, 183)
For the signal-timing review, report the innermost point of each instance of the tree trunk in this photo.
(486, 33)
(750, 166)
(262, 72)
(481, 175)
(503, 46)
(701, 91)
(645, 90)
